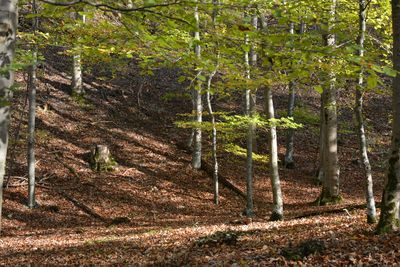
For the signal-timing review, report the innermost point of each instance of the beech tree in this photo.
(250, 59)
(77, 79)
(371, 212)
(32, 115)
(330, 184)
(390, 207)
(197, 97)
(8, 30)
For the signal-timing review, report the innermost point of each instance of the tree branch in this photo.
(107, 7)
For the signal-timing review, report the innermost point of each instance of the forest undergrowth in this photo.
(154, 209)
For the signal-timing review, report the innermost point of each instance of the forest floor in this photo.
(155, 209)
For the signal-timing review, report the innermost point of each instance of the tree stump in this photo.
(101, 159)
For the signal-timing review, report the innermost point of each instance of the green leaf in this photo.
(319, 89)
(389, 71)
(149, 3)
(372, 81)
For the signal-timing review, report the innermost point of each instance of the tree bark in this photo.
(277, 213)
(210, 111)
(249, 140)
(330, 187)
(250, 59)
(77, 80)
(320, 172)
(31, 135)
(8, 29)
(369, 194)
(213, 139)
(289, 162)
(196, 159)
(31, 119)
(389, 218)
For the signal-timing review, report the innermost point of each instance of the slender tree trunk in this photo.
(31, 119)
(389, 218)
(250, 59)
(77, 80)
(320, 172)
(210, 111)
(253, 95)
(77, 88)
(249, 140)
(289, 162)
(31, 135)
(196, 160)
(369, 194)
(213, 138)
(277, 213)
(330, 187)
(8, 29)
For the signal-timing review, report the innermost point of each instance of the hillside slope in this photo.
(154, 208)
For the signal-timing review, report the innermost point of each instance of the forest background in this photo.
(199, 78)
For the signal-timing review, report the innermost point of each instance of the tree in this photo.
(389, 218)
(371, 212)
(289, 162)
(250, 59)
(32, 117)
(8, 30)
(330, 185)
(77, 79)
(277, 213)
(211, 112)
(197, 97)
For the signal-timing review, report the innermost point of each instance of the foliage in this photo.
(240, 151)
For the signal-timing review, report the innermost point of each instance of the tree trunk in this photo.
(253, 95)
(77, 80)
(8, 28)
(31, 136)
(369, 194)
(210, 111)
(277, 213)
(31, 120)
(320, 172)
(289, 162)
(249, 140)
(330, 190)
(196, 160)
(213, 140)
(101, 159)
(389, 218)
(250, 59)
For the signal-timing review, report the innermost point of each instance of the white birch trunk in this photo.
(8, 29)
